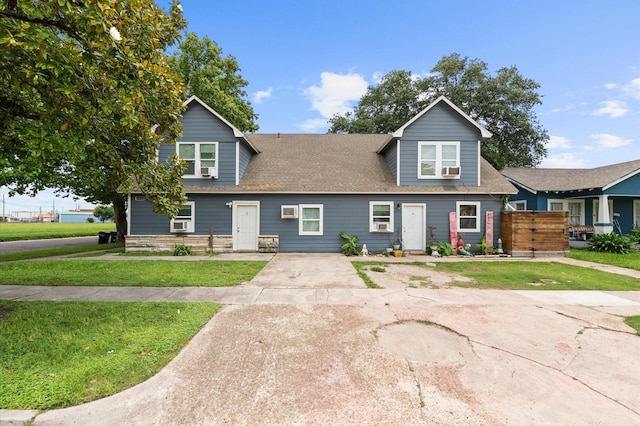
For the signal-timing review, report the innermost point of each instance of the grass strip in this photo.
(37, 231)
(59, 354)
(130, 272)
(633, 322)
(629, 260)
(37, 254)
(515, 275)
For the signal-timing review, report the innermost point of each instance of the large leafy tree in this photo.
(503, 103)
(214, 79)
(86, 97)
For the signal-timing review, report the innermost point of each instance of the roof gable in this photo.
(541, 179)
(483, 132)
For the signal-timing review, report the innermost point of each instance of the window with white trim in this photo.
(186, 218)
(380, 216)
(574, 207)
(636, 212)
(434, 156)
(310, 219)
(518, 205)
(198, 155)
(468, 213)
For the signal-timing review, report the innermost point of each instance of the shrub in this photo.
(444, 248)
(609, 243)
(634, 236)
(182, 250)
(351, 247)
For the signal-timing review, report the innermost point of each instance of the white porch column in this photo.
(604, 225)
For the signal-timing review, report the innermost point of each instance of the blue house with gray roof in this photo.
(297, 192)
(605, 199)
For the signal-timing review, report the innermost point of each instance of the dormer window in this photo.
(201, 158)
(438, 159)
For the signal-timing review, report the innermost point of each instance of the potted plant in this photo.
(397, 244)
(433, 242)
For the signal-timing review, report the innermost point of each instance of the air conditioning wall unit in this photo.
(211, 172)
(451, 171)
(179, 226)
(288, 212)
(382, 226)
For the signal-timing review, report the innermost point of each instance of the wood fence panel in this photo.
(535, 233)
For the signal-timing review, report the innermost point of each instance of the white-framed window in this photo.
(433, 157)
(574, 207)
(468, 216)
(310, 219)
(186, 219)
(380, 216)
(199, 156)
(519, 205)
(636, 212)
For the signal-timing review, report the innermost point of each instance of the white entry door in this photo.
(246, 225)
(414, 229)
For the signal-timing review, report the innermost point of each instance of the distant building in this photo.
(76, 216)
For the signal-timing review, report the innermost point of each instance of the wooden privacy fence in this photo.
(535, 233)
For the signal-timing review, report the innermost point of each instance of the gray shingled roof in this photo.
(571, 179)
(335, 163)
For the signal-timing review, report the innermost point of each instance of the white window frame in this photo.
(636, 212)
(191, 220)
(301, 219)
(197, 160)
(478, 215)
(373, 225)
(438, 160)
(517, 204)
(565, 207)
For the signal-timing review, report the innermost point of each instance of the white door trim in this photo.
(406, 231)
(235, 222)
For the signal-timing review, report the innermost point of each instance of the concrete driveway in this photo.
(400, 356)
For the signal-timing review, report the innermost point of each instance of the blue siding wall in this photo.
(348, 213)
(440, 124)
(199, 125)
(391, 158)
(629, 186)
(245, 157)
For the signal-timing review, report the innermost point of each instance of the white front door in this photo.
(246, 225)
(414, 229)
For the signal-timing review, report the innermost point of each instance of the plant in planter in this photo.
(433, 242)
(351, 247)
(397, 244)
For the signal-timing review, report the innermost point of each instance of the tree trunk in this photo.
(120, 215)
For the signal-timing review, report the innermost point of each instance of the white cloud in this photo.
(611, 85)
(567, 107)
(612, 108)
(261, 95)
(563, 161)
(336, 93)
(610, 141)
(314, 125)
(633, 89)
(558, 142)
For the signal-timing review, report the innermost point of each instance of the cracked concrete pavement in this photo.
(399, 356)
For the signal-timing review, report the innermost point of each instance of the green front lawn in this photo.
(629, 260)
(134, 272)
(35, 231)
(59, 354)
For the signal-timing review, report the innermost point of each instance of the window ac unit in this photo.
(451, 171)
(211, 172)
(382, 226)
(180, 226)
(289, 212)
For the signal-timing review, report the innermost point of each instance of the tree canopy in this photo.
(214, 79)
(87, 96)
(503, 103)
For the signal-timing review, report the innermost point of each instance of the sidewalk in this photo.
(305, 342)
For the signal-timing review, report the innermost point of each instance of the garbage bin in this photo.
(114, 236)
(103, 237)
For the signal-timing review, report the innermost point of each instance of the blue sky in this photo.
(306, 60)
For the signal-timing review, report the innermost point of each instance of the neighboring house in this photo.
(584, 193)
(76, 216)
(297, 192)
